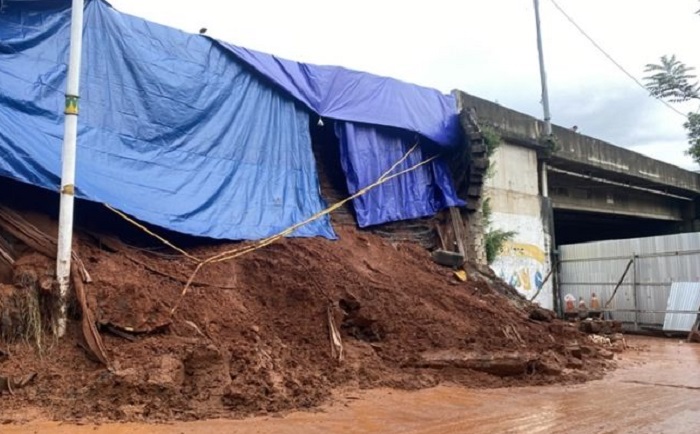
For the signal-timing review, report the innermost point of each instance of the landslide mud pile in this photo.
(253, 335)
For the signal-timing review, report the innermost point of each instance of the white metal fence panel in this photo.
(642, 296)
(684, 296)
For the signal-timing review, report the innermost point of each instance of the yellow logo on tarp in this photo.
(71, 105)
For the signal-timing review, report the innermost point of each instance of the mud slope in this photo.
(252, 336)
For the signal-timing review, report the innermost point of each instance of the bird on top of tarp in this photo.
(203, 30)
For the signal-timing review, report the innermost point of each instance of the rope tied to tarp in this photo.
(240, 251)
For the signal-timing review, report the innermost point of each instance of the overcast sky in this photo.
(484, 47)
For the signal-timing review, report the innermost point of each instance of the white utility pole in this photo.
(543, 74)
(545, 96)
(70, 138)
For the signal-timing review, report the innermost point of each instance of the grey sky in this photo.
(484, 47)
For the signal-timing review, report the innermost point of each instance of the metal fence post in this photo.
(634, 291)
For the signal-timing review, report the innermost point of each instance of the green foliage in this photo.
(494, 239)
(486, 211)
(492, 139)
(672, 80)
(550, 144)
(693, 127)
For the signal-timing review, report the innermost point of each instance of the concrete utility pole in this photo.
(543, 73)
(545, 96)
(70, 138)
(544, 181)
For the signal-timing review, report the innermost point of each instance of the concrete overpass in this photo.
(584, 189)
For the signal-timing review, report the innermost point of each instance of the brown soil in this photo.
(252, 336)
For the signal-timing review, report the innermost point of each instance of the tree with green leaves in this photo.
(675, 82)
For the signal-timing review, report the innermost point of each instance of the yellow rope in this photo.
(238, 252)
(151, 233)
(224, 256)
(235, 253)
(326, 211)
(401, 160)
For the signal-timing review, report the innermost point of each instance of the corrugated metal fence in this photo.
(683, 294)
(642, 296)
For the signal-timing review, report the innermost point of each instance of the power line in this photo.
(620, 67)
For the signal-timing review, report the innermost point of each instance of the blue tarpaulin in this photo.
(203, 137)
(419, 193)
(340, 93)
(172, 130)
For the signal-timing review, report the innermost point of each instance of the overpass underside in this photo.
(572, 227)
(590, 206)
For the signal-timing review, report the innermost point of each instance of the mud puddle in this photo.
(657, 390)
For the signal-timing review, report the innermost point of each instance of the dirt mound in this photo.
(254, 335)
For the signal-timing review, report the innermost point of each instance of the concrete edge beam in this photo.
(582, 150)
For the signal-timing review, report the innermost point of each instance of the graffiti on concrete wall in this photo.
(522, 266)
(524, 262)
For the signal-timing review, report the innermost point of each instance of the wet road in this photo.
(657, 390)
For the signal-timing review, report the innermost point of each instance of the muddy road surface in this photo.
(656, 390)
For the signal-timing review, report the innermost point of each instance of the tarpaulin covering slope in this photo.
(172, 129)
(348, 95)
(367, 152)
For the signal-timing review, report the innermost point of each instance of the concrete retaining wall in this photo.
(516, 206)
